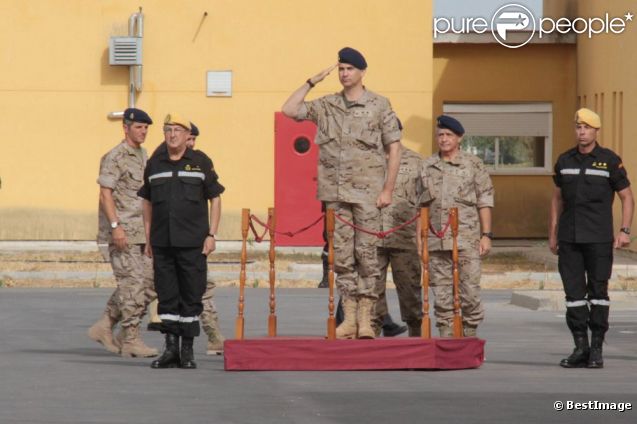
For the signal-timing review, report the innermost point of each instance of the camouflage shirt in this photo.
(351, 145)
(405, 203)
(122, 170)
(463, 183)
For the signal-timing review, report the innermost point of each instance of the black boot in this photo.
(187, 355)
(415, 328)
(579, 357)
(595, 359)
(325, 283)
(390, 328)
(340, 315)
(154, 326)
(170, 357)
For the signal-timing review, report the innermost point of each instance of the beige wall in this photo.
(57, 89)
(606, 83)
(491, 73)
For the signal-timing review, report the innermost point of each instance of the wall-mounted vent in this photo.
(219, 84)
(125, 51)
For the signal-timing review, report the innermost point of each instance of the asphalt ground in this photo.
(51, 372)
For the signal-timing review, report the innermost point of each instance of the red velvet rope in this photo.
(379, 234)
(440, 234)
(266, 226)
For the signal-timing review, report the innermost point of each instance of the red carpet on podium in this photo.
(319, 354)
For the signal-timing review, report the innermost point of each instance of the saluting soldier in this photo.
(453, 178)
(356, 129)
(581, 234)
(178, 185)
(121, 226)
(400, 249)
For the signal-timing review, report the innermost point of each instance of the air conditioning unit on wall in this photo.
(125, 51)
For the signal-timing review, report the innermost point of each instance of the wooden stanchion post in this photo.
(272, 317)
(457, 319)
(424, 235)
(331, 321)
(239, 324)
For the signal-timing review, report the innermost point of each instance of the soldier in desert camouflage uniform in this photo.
(356, 129)
(121, 226)
(400, 248)
(456, 179)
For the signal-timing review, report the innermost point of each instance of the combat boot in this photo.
(579, 357)
(325, 282)
(215, 339)
(134, 347)
(347, 329)
(390, 328)
(445, 331)
(469, 330)
(170, 357)
(102, 332)
(119, 339)
(339, 316)
(415, 328)
(187, 360)
(595, 359)
(364, 318)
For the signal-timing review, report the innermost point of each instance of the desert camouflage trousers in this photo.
(208, 316)
(355, 256)
(441, 282)
(135, 286)
(405, 269)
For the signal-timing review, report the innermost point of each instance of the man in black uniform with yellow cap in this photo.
(178, 183)
(581, 234)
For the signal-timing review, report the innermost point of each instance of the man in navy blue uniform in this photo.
(581, 234)
(178, 185)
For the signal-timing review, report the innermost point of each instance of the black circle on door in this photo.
(301, 145)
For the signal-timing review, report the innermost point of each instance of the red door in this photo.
(295, 160)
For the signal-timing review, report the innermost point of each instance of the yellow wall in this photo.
(606, 83)
(491, 73)
(57, 89)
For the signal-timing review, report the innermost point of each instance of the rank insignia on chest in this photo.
(360, 113)
(600, 165)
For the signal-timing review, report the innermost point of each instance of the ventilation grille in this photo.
(125, 51)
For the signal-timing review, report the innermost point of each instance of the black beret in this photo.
(194, 131)
(444, 121)
(137, 115)
(353, 57)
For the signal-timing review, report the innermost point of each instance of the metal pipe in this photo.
(135, 29)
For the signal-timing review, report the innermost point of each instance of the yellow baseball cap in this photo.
(588, 117)
(176, 119)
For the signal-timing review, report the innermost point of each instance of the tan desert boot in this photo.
(347, 329)
(102, 332)
(133, 346)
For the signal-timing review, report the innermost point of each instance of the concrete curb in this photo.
(553, 300)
